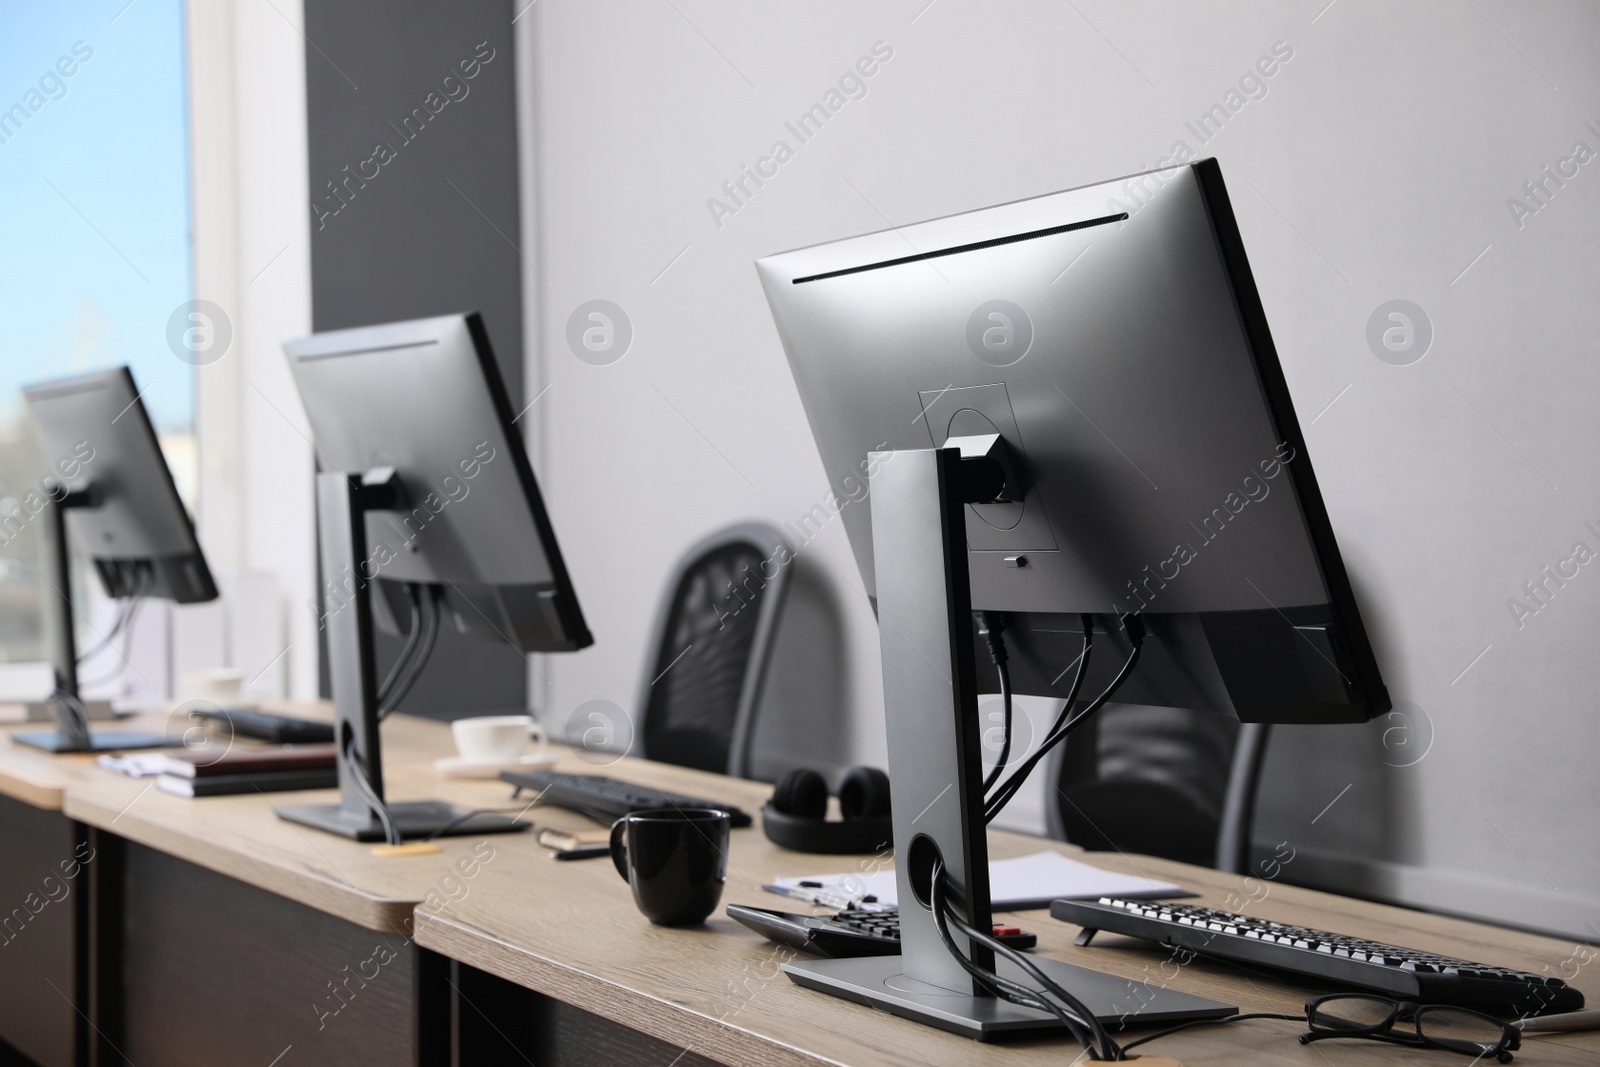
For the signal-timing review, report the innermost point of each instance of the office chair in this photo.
(709, 656)
(1167, 782)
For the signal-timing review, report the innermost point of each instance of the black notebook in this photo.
(270, 782)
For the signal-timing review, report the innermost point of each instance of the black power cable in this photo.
(1072, 1013)
(1051, 997)
(127, 615)
(358, 774)
(1078, 676)
(74, 721)
(1072, 694)
(125, 612)
(993, 629)
(1134, 628)
(467, 816)
(122, 657)
(419, 660)
(413, 637)
(1213, 1022)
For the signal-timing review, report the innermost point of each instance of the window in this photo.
(95, 257)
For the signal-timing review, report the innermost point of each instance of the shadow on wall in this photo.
(1343, 798)
(802, 720)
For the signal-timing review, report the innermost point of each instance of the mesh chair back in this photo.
(712, 643)
(1167, 782)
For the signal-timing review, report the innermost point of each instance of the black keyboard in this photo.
(604, 799)
(846, 933)
(1406, 973)
(266, 726)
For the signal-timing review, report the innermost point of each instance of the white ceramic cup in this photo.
(496, 738)
(223, 686)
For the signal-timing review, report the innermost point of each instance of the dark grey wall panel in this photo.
(411, 120)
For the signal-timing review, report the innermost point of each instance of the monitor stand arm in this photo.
(72, 728)
(919, 550)
(930, 693)
(342, 504)
(61, 647)
(347, 573)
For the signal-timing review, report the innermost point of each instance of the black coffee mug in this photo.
(676, 859)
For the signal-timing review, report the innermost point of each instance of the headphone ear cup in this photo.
(864, 794)
(802, 793)
(795, 817)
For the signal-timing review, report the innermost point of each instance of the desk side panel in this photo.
(38, 932)
(500, 1022)
(217, 971)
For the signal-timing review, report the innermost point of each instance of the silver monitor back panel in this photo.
(1112, 335)
(97, 434)
(425, 398)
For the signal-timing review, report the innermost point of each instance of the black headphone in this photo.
(796, 816)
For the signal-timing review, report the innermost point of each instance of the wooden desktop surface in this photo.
(242, 836)
(36, 777)
(570, 930)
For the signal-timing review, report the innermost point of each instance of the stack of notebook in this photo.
(266, 770)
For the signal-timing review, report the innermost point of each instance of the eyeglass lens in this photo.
(1459, 1028)
(1351, 1013)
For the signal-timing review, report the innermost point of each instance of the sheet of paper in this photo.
(137, 764)
(1025, 882)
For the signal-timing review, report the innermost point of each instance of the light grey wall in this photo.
(1377, 166)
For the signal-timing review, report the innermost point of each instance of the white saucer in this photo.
(459, 767)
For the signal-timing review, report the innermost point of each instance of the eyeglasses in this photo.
(1437, 1026)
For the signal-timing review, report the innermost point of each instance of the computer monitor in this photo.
(1134, 467)
(425, 493)
(113, 491)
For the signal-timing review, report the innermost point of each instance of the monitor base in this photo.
(99, 740)
(413, 818)
(98, 710)
(878, 982)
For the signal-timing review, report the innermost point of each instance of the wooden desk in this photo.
(569, 931)
(35, 778)
(228, 931)
(238, 936)
(210, 931)
(243, 838)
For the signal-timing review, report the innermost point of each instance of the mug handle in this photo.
(540, 739)
(619, 847)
